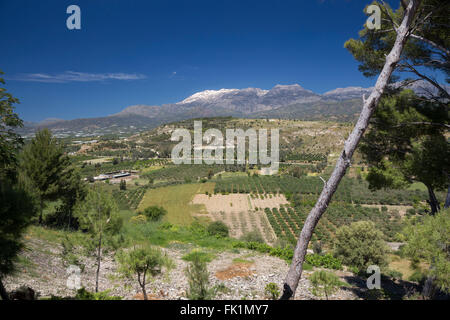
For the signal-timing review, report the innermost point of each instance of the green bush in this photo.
(271, 291)
(361, 245)
(427, 239)
(325, 261)
(154, 213)
(285, 253)
(218, 228)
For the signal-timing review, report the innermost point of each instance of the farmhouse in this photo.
(112, 175)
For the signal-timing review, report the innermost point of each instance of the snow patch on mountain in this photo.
(208, 95)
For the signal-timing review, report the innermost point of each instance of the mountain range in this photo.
(282, 101)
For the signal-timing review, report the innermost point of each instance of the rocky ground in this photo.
(242, 274)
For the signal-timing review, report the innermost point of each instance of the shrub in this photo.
(428, 240)
(361, 245)
(325, 261)
(271, 291)
(218, 228)
(325, 283)
(198, 279)
(123, 185)
(154, 213)
(252, 236)
(285, 253)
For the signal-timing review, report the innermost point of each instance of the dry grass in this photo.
(404, 266)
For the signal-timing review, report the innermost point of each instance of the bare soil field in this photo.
(241, 213)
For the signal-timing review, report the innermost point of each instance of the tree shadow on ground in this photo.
(390, 289)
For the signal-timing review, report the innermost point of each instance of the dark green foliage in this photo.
(154, 213)
(285, 253)
(361, 245)
(407, 141)
(418, 56)
(325, 261)
(123, 185)
(10, 141)
(218, 228)
(17, 197)
(428, 239)
(417, 152)
(50, 171)
(16, 210)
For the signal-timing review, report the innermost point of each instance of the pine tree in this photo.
(44, 162)
(17, 205)
(401, 152)
(98, 216)
(143, 262)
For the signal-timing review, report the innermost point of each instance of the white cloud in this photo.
(72, 76)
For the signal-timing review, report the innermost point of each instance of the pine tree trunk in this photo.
(99, 255)
(3, 294)
(143, 287)
(433, 201)
(295, 270)
(41, 210)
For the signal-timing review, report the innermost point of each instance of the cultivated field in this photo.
(242, 212)
(177, 201)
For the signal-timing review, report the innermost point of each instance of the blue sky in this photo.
(155, 52)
